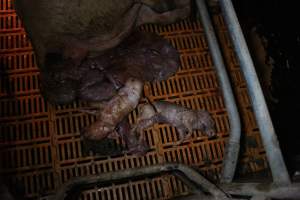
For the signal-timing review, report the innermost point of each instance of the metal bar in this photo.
(271, 190)
(72, 185)
(233, 145)
(193, 197)
(270, 142)
(258, 197)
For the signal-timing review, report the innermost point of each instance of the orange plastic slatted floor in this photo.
(41, 146)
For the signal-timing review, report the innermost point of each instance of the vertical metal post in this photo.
(233, 145)
(270, 142)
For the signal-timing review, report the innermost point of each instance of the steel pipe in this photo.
(233, 145)
(190, 177)
(189, 173)
(269, 139)
(270, 190)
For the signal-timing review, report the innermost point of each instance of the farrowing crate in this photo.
(41, 146)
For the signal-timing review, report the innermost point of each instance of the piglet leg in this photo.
(145, 123)
(130, 139)
(123, 130)
(183, 136)
(116, 83)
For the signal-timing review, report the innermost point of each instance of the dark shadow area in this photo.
(10, 186)
(275, 21)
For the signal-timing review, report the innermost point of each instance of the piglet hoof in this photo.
(211, 134)
(183, 139)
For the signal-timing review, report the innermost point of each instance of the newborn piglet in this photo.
(129, 139)
(144, 56)
(114, 111)
(185, 120)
